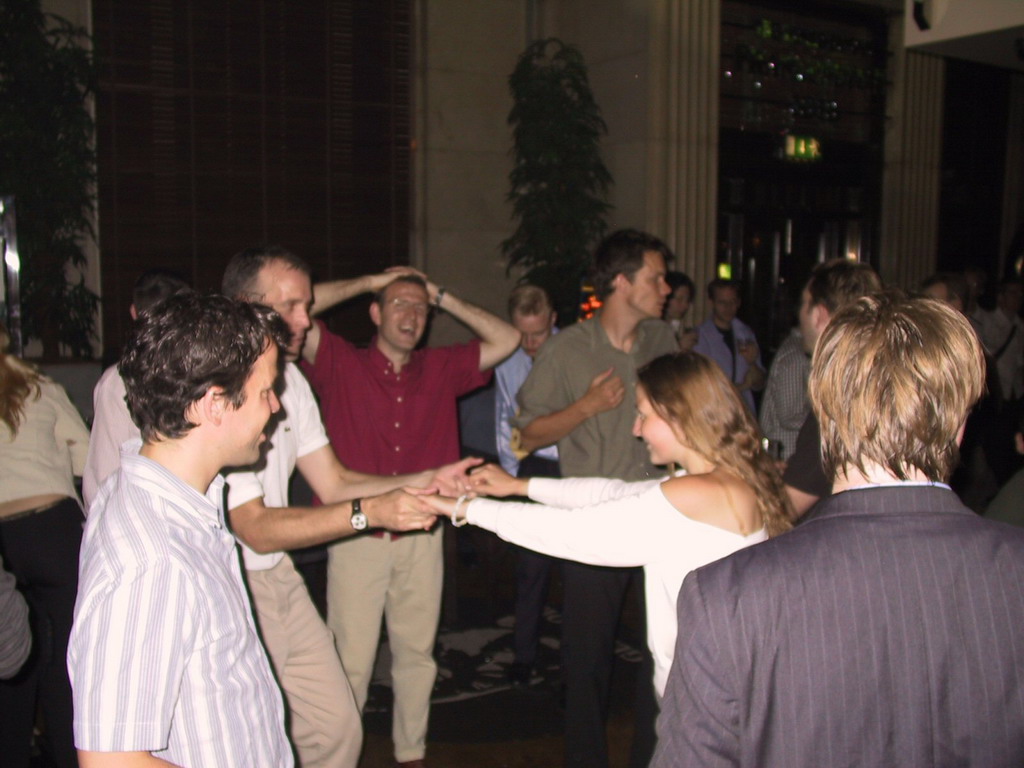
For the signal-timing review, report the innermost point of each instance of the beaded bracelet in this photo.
(455, 512)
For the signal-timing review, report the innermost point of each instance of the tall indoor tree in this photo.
(48, 163)
(558, 183)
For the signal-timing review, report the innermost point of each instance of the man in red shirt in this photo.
(390, 408)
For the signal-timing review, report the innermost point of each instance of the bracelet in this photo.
(455, 512)
(438, 296)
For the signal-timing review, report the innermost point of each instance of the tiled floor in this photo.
(484, 572)
(533, 753)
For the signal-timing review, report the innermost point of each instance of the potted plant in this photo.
(47, 162)
(558, 182)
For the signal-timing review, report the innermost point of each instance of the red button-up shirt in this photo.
(384, 423)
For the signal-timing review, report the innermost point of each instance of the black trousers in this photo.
(592, 604)
(41, 550)
(533, 573)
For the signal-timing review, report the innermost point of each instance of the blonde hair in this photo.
(18, 380)
(528, 300)
(892, 380)
(692, 394)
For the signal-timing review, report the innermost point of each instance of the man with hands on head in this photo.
(391, 408)
(325, 722)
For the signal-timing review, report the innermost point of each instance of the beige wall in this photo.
(950, 19)
(614, 39)
(465, 52)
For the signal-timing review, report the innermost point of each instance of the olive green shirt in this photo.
(603, 445)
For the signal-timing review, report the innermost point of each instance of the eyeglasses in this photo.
(401, 305)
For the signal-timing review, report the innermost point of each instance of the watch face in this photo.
(359, 521)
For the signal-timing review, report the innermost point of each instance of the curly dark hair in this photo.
(185, 345)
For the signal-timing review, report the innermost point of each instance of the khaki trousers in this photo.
(324, 722)
(400, 579)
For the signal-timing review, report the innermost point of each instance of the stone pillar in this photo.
(682, 147)
(911, 174)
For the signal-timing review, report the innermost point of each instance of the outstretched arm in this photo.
(332, 481)
(273, 529)
(592, 534)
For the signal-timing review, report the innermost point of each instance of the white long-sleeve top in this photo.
(48, 449)
(616, 523)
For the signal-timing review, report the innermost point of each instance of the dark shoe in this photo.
(519, 674)
(412, 764)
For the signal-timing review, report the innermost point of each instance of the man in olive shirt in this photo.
(580, 394)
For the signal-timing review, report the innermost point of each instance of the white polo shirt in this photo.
(298, 431)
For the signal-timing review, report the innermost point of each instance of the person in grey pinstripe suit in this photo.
(885, 630)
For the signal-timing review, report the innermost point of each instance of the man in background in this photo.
(729, 341)
(531, 313)
(832, 286)
(784, 407)
(580, 395)
(111, 423)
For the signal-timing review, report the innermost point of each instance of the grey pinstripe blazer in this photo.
(887, 630)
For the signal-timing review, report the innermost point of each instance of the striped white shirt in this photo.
(164, 655)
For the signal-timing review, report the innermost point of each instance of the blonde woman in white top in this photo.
(729, 495)
(43, 443)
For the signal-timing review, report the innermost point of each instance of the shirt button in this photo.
(397, 425)
(398, 448)
(399, 398)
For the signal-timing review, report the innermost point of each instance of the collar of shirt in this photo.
(161, 482)
(379, 362)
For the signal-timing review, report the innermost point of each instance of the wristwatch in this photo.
(358, 519)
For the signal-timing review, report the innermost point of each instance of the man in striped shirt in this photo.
(165, 660)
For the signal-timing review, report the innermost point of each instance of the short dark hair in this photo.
(378, 297)
(837, 282)
(622, 252)
(677, 280)
(185, 345)
(155, 285)
(721, 282)
(243, 270)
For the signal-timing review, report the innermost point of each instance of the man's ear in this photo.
(819, 317)
(211, 407)
(375, 313)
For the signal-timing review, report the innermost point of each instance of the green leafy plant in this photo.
(48, 163)
(558, 182)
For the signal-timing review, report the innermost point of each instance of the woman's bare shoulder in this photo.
(716, 499)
